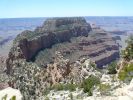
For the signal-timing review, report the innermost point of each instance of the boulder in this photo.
(9, 93)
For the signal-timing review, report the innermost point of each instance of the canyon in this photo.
(73, 37)
(62, 50)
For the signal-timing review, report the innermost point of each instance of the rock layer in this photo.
(53, 31)
(96, 45)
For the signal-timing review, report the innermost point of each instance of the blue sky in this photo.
(59, 8)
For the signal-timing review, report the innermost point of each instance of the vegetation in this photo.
(128, 52)
(71, 96)
(93, 65)
(47, 98)
(104, 88)
(89, 83)
(61, 86)
(5, 97)
(13, 98)
(112, 68)
(25, 35)
(126, 74)
(68, 86)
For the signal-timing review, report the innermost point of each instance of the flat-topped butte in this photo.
(55, 25)
(54, 30)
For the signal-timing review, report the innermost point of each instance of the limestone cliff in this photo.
(53, 31)
(73, 37)
(99, 47)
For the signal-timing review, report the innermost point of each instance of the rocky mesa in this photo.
(73, 37)
(53, 31)
(62, 50)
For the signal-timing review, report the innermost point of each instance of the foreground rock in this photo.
(10, 94)
(32, 80)
(3, 76)
(122, 92)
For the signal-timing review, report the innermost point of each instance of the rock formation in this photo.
(53, 31)
(3, 76)
(59, 69)
(33, 66)
(10, 94)
(74, 32)
(99, 47)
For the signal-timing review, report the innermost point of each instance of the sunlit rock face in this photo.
(53, 31)
(73, 37)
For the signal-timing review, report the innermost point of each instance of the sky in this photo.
(64, 8)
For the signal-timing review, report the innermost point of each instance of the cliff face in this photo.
(70, 36)
(77, 46)
(30, 48)
(53, 31)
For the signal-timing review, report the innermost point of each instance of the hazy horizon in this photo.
(64, 16)
(64, 8)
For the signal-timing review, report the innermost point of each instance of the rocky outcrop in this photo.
(67, 35)
(3, 76)
(10, 94)
(30, 48)
(98, 47)
(106, 58)
(118, 32)
(110, 88)
(59, 69)
(53, 31)
(117, 38)
(32, 80)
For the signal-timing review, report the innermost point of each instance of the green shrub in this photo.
(104, 88)
(5, 97)
(71, 96)
(112, 68)
(126, 73)
(47, 98)
(68, 86)
(89, 83)
(93, 65)
(13, 98)
(128, 52)
(46, 91)
(58, 87)
(122, 75)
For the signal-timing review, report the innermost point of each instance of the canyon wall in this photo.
(79, 38)
(53, 31)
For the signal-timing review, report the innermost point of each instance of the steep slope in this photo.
(53, 31)
(98, 46)
(58, 52)
(70, 36)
